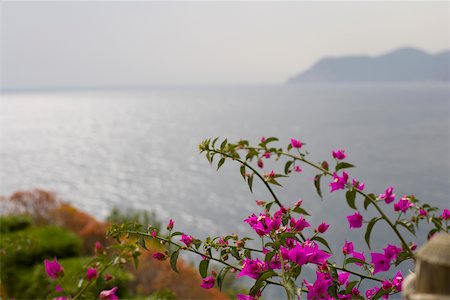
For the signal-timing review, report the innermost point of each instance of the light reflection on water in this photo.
(138, 148)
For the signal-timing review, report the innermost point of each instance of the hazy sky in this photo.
(85, 44)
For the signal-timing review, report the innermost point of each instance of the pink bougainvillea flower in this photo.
(58, 288)
(170, 225)
(260, 163)
(252, 268)
(298, 169)
(154, 233)
(299, 225)
(446, 214)
(298, 203)
(380, 261)
(187, 239)
(264, 224)
(314, 253)
(355, 292)
(159, 256)
(298, 255)
(296, 143)
(108, 277)
(267, 154)
(109, 294)
(403, 204)
(260, 202)
(339, 154)
(61, 298)
(347, 248)
(388, 195)
(339, 183)
(343, 277)
(422, 212)
(323, 227)
(53, 268)
(208, 282)
(397, 281)
(355, 220)
(222, 242)
(319, 290)
(360, 256)
(391, 251)
(263, 139)
(358, 185)
(91, 273)
(99, 248)
(371, 292)
(386, 285)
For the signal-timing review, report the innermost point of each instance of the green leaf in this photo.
(287, 166)
(269, 256)
(141, 242)
(301, 211)
(343, 165)
(221, 161)
(242, 169)
(350, 286)
(221, 276)
(322, 241)
(408, 225)
(203, 268)
(332, 290)
(367, 201)
(176, 233)
(235, 253)
(369, 230)
(214, 142)
(402, 257)
(264, 276)
(380, 293)
(250, 183)
(352, 260)
(136, 261)
(333, 273)
(351, 196)
(269, 205)
(223, 144)
(173, 260)
(274, 182)
(317, 185)
(271, 139)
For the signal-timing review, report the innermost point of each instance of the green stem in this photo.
(380, 211)
(357, 274)
(194, 251)
(84, 288)
(275, 198)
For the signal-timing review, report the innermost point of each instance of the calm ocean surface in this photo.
(138, 148)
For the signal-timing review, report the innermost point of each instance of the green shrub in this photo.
(34, 244)
(164, 294)
(33, 283)
(14, 223)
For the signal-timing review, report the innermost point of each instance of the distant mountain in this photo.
(405, 64)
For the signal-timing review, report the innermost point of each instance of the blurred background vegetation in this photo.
(36, 225)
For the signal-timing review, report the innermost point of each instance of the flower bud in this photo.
(170, 225)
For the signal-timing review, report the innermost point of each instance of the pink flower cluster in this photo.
(54, 270)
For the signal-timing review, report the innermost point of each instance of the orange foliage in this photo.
(36, 203)
(153, 275)
(81, 223)
(45, 208)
